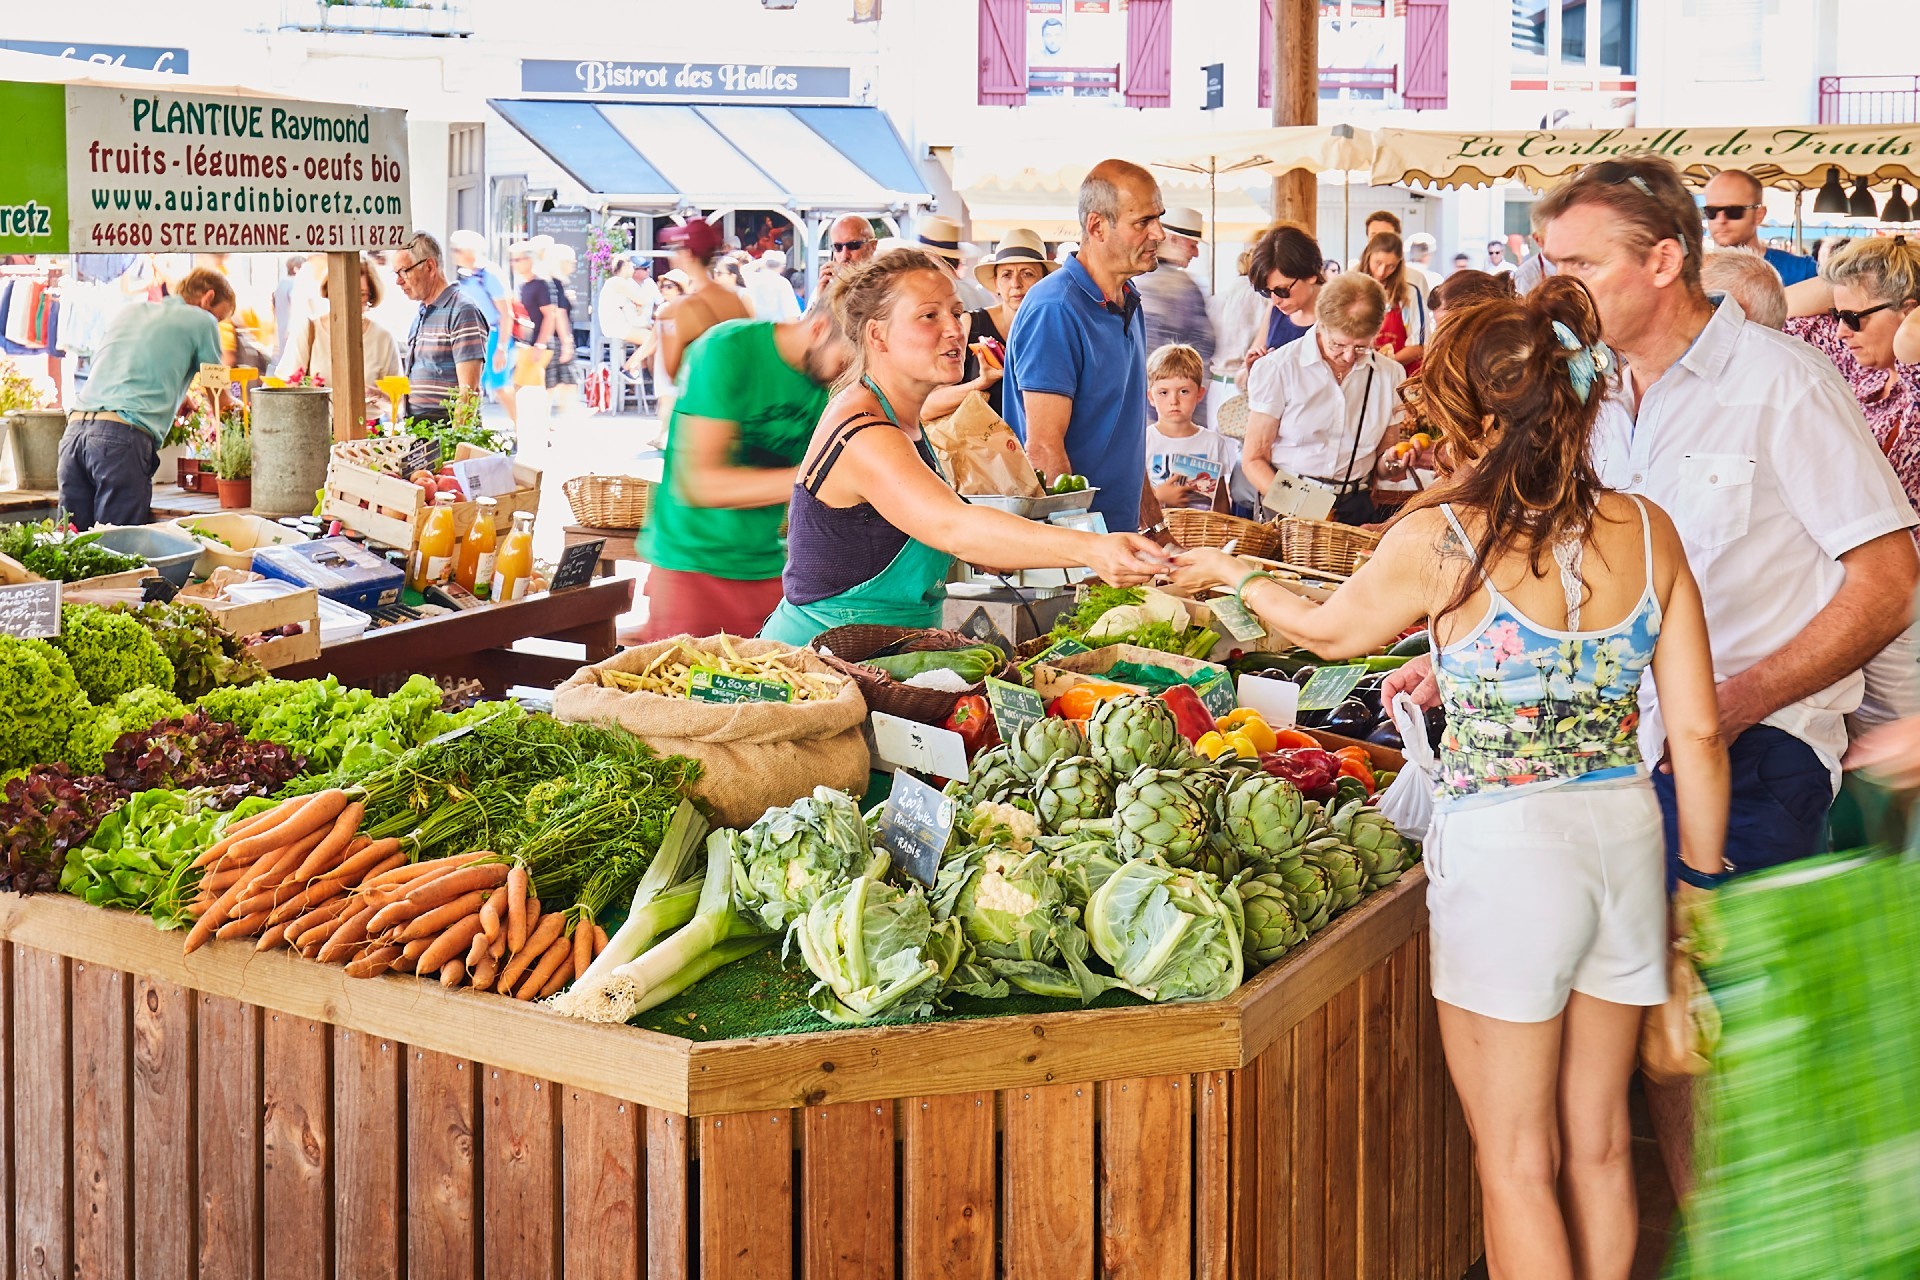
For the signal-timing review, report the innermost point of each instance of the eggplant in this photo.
(1352, 719)
(1387, 735)
(1301, 675)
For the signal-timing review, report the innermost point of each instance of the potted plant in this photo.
(232, 460)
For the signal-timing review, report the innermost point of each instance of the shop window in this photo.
(1616, 35)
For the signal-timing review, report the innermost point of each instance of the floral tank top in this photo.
(1530, 707)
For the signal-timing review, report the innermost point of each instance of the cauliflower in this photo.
(993, 891)
(995, 823)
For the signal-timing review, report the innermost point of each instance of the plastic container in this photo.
(242, 534)
(170, 552)
(337, 621)
(341, 569)
(1036, 508)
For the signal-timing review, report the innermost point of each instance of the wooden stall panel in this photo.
(1404, 1121)
(1307, 1135)
(369, 1138)
(164, 1215)
(228, 1065)
(1374, 1222)
(296, 1158)
(42, 1109)
(602, 1171)
(746, 1196)
(669, 1209)
(846, 1190)
(1212, 1175)
(521, 1175)
(1047, 1181)
(948, 1184)
(1146, 1178)
(1262, 1164)
(102, 1124)
(1342, 1119)
(442, 1227)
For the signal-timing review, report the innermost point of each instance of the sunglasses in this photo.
(1280, 291)
(1612, 173)
(850, 246)
(1731, 212)
(1855, 319)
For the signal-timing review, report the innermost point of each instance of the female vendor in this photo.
(874, 526)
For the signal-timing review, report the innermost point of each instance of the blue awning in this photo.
(660, 155)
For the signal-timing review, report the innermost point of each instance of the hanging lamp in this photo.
(1897, 209)
(1860, 204)
(1832, 197)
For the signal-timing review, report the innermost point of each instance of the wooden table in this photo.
(27, 504)
(478, 643)
(622, 544)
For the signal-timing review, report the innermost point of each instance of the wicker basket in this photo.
(883, 693)
(1324, 545)
(383, 454)
(1191, 528)
(609, 502)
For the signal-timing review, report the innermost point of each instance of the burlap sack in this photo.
(758, 755)
(981, 453)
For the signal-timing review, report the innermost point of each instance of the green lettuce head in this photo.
(876, 951)
(1169, 934)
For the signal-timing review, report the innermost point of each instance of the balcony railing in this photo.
(1869, 99)
(1366, 81)
(389, 19)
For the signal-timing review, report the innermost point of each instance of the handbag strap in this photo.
(1360, 428)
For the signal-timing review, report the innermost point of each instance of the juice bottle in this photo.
(433, 559)
(513, 566)
(474, 567)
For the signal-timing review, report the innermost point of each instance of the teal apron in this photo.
(909, 592)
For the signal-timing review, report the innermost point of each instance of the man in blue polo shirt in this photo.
(1076, 380)
(1734, 210)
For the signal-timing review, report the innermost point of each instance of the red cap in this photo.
(698, 237)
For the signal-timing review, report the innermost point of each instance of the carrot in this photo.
(451, 944)
(309, 814)
(451, 972)
(399, 911)
(484, 974)
(558, 952)
(490, 913)
(216, 915)
(498, 947)
(533, 914)
(330, 851)
(359, 864)
(477, 950)
(243, 927)
(273, 937)
(430, 923)
(558, 980)
(372, 963)
(582, 945)
(599, 945)
(485, 876)
(352, 930)
(410, 955)
(235, 830)
(542, 938)
(277, 885)
(217, 882)
(331, 910)
(307, 899)
(517, 908)
(433, 866)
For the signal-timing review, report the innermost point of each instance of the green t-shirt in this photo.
(734, 373)
(146, 361)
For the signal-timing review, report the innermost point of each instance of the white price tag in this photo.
(1277, 701)
(1291, 495)
(908, 744)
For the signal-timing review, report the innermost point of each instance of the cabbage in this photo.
(876, 950)
(1020, 925)
(1169, 934)
(791, 856)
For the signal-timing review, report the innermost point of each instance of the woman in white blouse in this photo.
(310, 347)
(1318, 408)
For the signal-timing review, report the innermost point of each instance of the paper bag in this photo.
(980, 452)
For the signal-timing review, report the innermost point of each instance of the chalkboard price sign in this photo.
(915, 827)
(576, 565)
(424, 455)
(1014, 707)
(30, 610)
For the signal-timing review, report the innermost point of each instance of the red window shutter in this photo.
(1003, 53)
(1264, 43)
(1426, 61)
(1149, 81)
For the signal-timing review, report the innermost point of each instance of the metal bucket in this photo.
(34, 441)
(292, 434)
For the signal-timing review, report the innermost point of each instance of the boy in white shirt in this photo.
(1187, 464)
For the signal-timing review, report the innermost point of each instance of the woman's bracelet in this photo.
(1238, 592)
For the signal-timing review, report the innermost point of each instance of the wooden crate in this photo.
(232, 1115)
(255, 617)
(12, 571)
(390, 510)
(1051, 679)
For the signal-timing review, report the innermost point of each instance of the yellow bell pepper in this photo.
(1249, 722)
(1243, 745)
(1213, 746)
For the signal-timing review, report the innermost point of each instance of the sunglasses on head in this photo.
(1614, 172)
(1731, 212)
(1855, 319)
(849, 246)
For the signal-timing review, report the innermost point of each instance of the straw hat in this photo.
(1184, 222)
(940, 236)
(1019, 245)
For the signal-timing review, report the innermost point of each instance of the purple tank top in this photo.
(831, 550)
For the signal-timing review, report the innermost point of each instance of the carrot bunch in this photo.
(283, 873)
(473, 920)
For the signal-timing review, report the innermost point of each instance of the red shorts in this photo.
(699, 604)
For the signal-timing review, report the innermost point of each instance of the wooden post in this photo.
(349, 385)
(1296, 100)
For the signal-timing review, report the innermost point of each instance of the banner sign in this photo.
(89, 169)
(139, 56)
(711, 81)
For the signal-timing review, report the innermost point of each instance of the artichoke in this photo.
(1218, 858)
(1168, 934)
(1346, 873)
(1264, 817)
(993, 776)
(1157, 813)
(1273, 926)
(1131, 733)
(1310, 887)
(1071, 788)
(1209, 786)
(1041, 743)
(1384, 852)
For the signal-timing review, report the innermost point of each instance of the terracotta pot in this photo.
(235, 493)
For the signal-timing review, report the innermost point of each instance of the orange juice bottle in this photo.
(433, 558)
(474, 567)
(513, 566)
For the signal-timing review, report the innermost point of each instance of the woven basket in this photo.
(1324, 545)
(1191, 528)
(883, 693)
(609, 502)
(383, 454)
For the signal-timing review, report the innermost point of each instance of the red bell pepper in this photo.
(972, 719)
(1310, 769)
(1190, 715)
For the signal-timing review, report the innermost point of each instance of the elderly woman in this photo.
(1318, 409)
(1405, 330)
(1286, 268)
(310, 345)
(1017, 264)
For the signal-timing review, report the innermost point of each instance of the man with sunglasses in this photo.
(447, 346)
(1733, 211)
(850, 239)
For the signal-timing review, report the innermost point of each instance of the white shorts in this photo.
(1556, 891)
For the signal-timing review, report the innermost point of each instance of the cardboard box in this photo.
(390, 510)
(1003, 618)
(1051, 679)
(243, 533)
(242, 620)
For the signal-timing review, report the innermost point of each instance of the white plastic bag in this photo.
(1408, 803)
